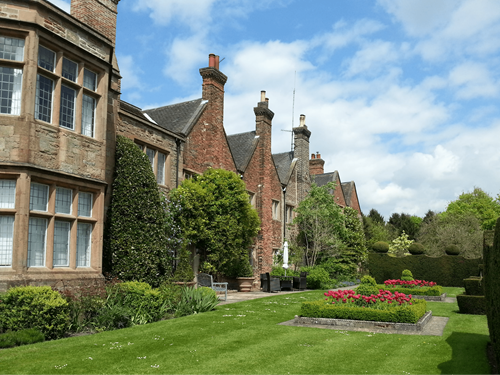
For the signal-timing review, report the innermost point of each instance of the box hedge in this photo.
(491, 255)
(395, 314)
(474, 286)
(445, 270)
(471, 304)
(436, 290)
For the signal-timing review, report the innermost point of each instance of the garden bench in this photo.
(204, 279)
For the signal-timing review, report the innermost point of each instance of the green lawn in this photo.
(245, 338)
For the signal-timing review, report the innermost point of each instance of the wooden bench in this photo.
(204, 279)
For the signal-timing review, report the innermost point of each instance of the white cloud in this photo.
(64, 5)
(473, 80)
(373, 58)
(130, 72)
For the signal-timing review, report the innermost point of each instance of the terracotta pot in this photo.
(185, 283)
(245, 283)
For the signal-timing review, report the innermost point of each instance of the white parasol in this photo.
(285, 256)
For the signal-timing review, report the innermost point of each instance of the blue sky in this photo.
(401, 96)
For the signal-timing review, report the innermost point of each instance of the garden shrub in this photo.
(416, 248)
(22, 337)
(280, 271)
(452, 250)
(436, 290)
(367, 287)
(471, 304)
(195, 301)
(406, 275)
(35, 307)
(341, 267)
(393, 313)
(474, 286)
(445, 270)
(380, 247)
(491, 280)
(317, 278)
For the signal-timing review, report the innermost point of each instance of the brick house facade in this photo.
(57, 145)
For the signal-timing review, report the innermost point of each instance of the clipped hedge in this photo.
(395, 314)
(23, 337)
(436, 290)
(445, 270)
(471, 304)
(35, 307)
(474, 286)
(491, 254)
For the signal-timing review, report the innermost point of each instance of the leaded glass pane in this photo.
(64, 198)
(160, 175)
(36, 242)
(88, 115)
(39, 197)
(85, 204)
(46, 58)
(11, 48)
(6, 240)
(10, 90)
(89, 79)
(83, 244)
(7, 193)
(69, 69)
(151, 155)
(67, 115)
(61, 243)
(43, 100)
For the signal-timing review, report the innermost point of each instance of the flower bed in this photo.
(416, 287)
(383, 307)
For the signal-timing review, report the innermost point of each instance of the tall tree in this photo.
(480, 204)
(217, 219)
(405, 223)
(321, 224)
(376, 217)
(137, 245)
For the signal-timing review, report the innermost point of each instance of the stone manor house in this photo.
(60, 113)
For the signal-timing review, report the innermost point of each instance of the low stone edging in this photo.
(366, 324)
(440, 298)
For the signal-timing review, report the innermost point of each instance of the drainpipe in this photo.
(178, 143)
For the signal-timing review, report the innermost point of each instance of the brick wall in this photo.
(100, 15)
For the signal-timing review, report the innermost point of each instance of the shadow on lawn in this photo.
(469, 354)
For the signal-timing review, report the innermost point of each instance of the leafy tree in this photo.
(462, 230)
(320, 223)
(429, 216)
(400, 245)
(478, 203)
(354, 236)
(376, 217)
(405, 223)
(137, 243)
(375, 231)
(217, 219)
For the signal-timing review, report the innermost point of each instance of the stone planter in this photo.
(185, 283)
(245, 283)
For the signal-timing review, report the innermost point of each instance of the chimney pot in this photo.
(313, 156)
(216, 62)
(211, 60)
(267, 100)
(302, 120)
(262, 96)
(318, 155)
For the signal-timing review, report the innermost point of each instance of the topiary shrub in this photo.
(368, 286)
(452, 250)
(416, 249)
(407, 275)
(136, 239)
(35, 307)
(380, 247)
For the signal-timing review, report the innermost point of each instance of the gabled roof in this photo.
(127, 107)
(348, 188)
(178, 118)
(323, 179)
(242, 147)
(283, 163)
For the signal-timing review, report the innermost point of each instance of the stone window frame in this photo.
(16, 65)
(145, 147)
(76, 223)
(9, 212)
(289, 213)
(275, 207)
(84, 120)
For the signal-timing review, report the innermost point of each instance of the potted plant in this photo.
(244, 275)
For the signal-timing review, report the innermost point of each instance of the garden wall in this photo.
(445, 271)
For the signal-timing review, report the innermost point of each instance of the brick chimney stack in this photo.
(100, 15)
(301, 152)
(316, 164)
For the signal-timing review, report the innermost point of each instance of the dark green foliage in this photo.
(436, 290)
(475, 305)
(416, 249)
(216, 217)
(184, 270)
(280, 271)
(492, 289)
(452, 250)
(376, 216)
(406, 275)
(317, 277)
(195, 301)
(368, 286)
(393, 313)
(136, 241)
(375, 231)
(380, 247)
(445, 270)
(405, 223)
(429, 216)
(22, 337)
(35, 307)
(474, 286)
(340, 267)
(355, 252)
